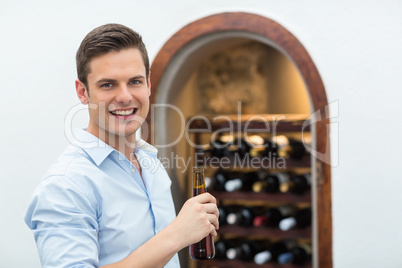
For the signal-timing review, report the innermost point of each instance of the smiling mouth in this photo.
(124, 112)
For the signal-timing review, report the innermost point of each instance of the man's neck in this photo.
(123, 144)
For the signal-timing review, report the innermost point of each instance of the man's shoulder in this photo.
(72, 160)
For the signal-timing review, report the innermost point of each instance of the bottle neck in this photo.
(198, 181)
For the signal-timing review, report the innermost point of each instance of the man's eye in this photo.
(135, 82)
(106, 85)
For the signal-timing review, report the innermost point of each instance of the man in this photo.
(102, 203)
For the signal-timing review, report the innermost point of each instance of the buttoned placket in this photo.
(132, 171)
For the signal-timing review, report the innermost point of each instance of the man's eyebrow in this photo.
(105, 80)
(137, 77)
(109, 80)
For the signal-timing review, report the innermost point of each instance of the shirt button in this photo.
(132, 170)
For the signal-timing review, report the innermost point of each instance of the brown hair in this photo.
(104, 39)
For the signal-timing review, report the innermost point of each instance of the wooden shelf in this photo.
(246, 264)
(268, 123)
(302, 233)
(250, 162)
(274, 198)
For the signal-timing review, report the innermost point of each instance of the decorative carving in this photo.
(234, 75)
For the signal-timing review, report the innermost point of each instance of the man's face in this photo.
(118, 96)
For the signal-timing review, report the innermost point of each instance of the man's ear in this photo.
(82, 92)
(149, 84)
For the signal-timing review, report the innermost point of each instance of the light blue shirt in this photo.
(92, 208)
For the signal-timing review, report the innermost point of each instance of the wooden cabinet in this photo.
(188, 46)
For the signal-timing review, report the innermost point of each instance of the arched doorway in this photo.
(172, 61)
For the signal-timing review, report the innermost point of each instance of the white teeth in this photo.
(125, 112)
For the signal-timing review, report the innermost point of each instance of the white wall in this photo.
(355, 45)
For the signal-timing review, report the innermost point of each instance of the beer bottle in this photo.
(204, 249)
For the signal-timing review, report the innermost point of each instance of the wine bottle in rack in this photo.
(222, 245)
(289, 147)
(272, 216)
(247, 249)
(271, 253)
(300, 219)
(218, 180)
(219, 146)
(273, 183)
(225, 210)
(239, 147)
(243, 183)
(262, 147)
(299, 184)
(298, 255)
(243, 216)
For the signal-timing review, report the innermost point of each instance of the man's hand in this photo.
(197, 219)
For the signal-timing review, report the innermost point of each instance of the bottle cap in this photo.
(255, 140)
(231, 254)
(281, 140)
(231, 218)
(262, 257)
(233, 185)
(227, 138)
(285, 258)
(258, 186)
(198, 168)
(259, 221)
(284, 187)
(287, 224)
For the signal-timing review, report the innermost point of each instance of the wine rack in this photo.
(266, 125)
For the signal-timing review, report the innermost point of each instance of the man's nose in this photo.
(123, 95)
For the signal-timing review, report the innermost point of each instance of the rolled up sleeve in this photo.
(63, 218)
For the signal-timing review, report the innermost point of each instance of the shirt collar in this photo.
(98, 150)
(143, 145)
(92, 145)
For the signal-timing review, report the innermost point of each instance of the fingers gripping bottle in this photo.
(204, 249)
